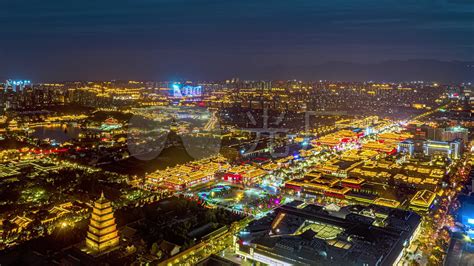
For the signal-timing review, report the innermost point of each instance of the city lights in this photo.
(181, 133)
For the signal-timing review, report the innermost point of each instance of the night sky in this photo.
(207, 39)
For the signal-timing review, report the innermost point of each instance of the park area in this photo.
(250, 201)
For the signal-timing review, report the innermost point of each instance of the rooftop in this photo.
(312, 234)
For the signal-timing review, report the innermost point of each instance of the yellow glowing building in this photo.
(423, 200)
(102, 235)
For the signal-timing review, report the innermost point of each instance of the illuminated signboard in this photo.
(186, 91)
(17, 84)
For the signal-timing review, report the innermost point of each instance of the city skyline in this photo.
(249, 132)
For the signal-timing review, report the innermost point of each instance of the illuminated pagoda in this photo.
(102, 235)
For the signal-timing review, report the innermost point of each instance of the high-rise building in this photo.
(452, 133)
(102, 235)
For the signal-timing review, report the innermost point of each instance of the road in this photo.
(211, 124)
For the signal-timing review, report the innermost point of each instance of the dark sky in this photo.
(207, 39)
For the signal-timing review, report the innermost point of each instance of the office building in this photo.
(451, 149)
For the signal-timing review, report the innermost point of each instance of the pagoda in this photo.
(102, 235)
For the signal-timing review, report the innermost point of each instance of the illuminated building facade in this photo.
(185, 176)
(102, 235)
(423, 200)
(179, 91)
(407, 146)
(452, 149)
(17, 85)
